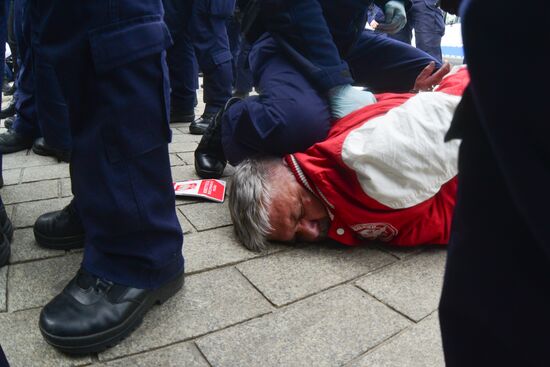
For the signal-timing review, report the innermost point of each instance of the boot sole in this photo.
(184, 120)
(109, 338)
(59, 243)
(196, 130)
(49, 153)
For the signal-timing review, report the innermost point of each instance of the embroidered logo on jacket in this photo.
(384, 232)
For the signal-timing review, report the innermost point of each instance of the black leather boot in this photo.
(60, 230)
(40, 147)
(12, 141)
(92, 314)
(198, 127)
(8, 111)
(8, 123)
(209, 156)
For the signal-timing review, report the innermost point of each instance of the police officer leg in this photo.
(235, 40)
(209, 36)
(4, 12)
(288, 116)
(243, 76)
(182, 62)
(386, 65)
(117, 90)
(498, 265)
(22, 133)
(429, 27)
(25, 125)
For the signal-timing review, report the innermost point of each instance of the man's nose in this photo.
(308, 230)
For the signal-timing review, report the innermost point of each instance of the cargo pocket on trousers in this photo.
(133, 78)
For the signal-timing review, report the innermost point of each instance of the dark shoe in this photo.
(177, 115)
(11, 142)
(209, 156)
(92, 314)
(8, 111)
(60, 230)
(40, 147)
(8, 123)
(198, 126)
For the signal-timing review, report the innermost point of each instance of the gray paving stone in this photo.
(178, 125)
(11, 176)
(175, 131)
(187, 172)
(184, 354)
(187, 157)
(3, 288)
(211, 249)
(66, 187)
(60, 170)
(412, 286)
(24, 159)
(185, 137)
(419, 346)
(400, 252)
(182, 173)
(24, 346)
(328, 329)
(24, 247)
(209, 301)
(36, 283)
(29, 192)
(175, 160)
(185, 225)
(292, 275)
(188, 146)
(207, 215)
(26, 213)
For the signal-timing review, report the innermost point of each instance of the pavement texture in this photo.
(299, 305)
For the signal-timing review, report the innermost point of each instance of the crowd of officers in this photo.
(98, 83)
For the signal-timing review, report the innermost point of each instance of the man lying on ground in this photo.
(384, 173)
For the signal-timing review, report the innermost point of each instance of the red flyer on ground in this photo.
(208, 189)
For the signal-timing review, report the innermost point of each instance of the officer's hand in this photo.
(426, 81)
(344, 99)
(396, 17)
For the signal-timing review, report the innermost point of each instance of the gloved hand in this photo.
(396, 17)
(344, 99)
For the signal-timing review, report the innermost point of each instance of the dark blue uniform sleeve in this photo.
(302, 30)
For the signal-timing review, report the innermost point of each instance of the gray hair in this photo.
(250, 195)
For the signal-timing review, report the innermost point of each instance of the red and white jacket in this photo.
(384, 172)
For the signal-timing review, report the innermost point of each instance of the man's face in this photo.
(297, 215)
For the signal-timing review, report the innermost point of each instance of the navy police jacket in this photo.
(316, 34)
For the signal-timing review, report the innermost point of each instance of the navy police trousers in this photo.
(104, 62)
(200, 35)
